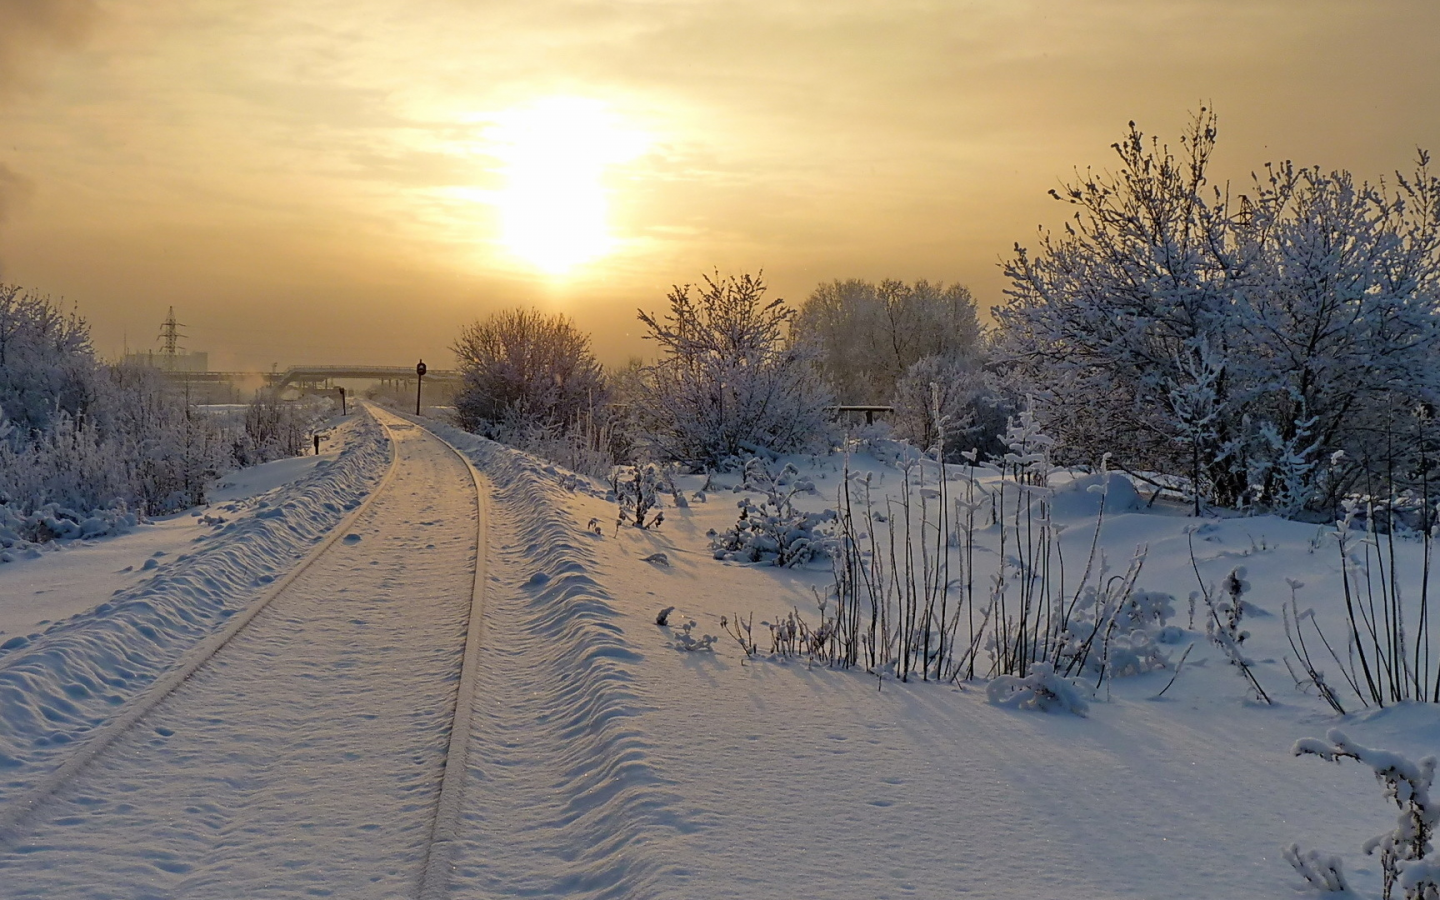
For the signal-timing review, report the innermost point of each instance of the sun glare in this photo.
(553, 209)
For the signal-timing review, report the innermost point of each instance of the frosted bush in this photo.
(727, 381)
(526, 374)
(51, 522)
(1119, 634)
(949, 404)
(1407, 853)
(1041, 690)
(637, 490)
(783, 536)
(1224, 336)
(1321, 871)
(773, 530)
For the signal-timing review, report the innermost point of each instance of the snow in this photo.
(71, 577)
(98, 650)
(611, 757)
(773, 778)
(309, 749)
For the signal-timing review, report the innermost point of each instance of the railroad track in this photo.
(123, 737)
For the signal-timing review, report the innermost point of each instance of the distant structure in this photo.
(170, 357)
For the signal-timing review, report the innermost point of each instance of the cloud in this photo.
(29, 28)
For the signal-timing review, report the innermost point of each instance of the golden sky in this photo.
(353, 180)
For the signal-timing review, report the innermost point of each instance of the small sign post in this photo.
(342, 400)
(419, 379)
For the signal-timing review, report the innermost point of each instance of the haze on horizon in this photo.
(326, 181)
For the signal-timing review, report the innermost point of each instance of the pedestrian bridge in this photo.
(312, 376)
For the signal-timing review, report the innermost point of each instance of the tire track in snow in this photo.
(563, 799)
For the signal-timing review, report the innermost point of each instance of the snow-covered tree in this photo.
(77, 435)
(1240, 341)
(728, 380)
(949, 403)
(274, 429)
(1341, 334)
(524, 369)
(47, 364)
(168, 450)
(869, 335)
(140, 444)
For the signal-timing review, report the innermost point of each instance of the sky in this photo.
(352, 181)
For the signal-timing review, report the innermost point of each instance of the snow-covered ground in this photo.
(120, 611)
(609, 762)
(71, 577)
(304, 757)
(710, 774)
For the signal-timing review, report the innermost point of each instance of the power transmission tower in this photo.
(170, 336)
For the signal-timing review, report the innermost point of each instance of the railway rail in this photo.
(436, 860)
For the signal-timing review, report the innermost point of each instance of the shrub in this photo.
(949, 403)
(773, 530)
(523, 369)
(728, 381)
(1406, 851)
(1041, 690)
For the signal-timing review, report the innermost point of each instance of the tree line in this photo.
(736, 373)
(1268, 349)
(79, 435)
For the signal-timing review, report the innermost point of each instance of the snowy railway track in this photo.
(444, 836)
(15, 814)
(117, 751)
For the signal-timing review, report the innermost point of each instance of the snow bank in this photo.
(1081, 498)
(57, 686)
(20, 533)
(594, 806)
(1041, 690)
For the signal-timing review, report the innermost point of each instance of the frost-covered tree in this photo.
(77, 435)
(1341, 334)
(524, 369)
(950, 403)
(139, 444)
(728, 380)
(274, 429)
(169, 450)
(869, 335)
(1240, 341)
(47, 363)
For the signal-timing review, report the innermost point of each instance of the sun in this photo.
(554, 208)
